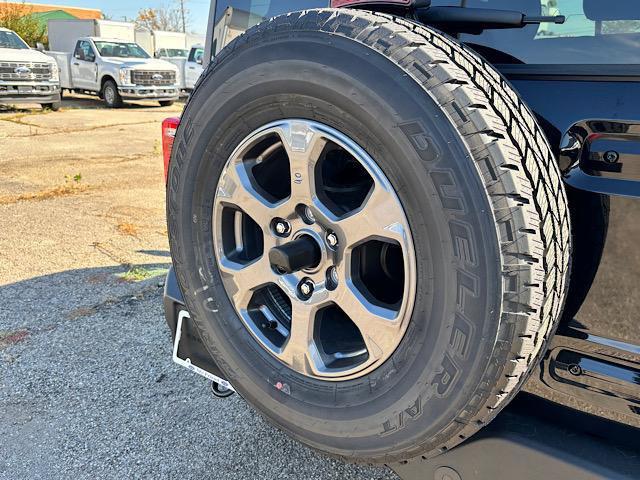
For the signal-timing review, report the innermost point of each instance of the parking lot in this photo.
(87, 385)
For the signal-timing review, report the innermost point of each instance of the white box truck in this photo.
(114, 67)
(64, 33)
(161, 44)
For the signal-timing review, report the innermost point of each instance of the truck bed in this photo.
(63, 60)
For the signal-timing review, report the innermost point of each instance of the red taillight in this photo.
(169, 129)
(348, 3)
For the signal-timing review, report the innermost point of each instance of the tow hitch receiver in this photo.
(219, 386)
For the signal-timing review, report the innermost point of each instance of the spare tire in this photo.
(370, 231)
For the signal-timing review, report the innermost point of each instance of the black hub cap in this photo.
(296, 255)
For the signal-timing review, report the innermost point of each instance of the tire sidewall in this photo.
(425, 384)
(115, 102)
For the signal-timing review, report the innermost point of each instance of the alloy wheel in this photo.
(314, 249)
(109, 95)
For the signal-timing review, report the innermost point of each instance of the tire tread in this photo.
(521, 178)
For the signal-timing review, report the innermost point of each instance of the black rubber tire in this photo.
(117, 99)
(482, 194)
(54, 107)
(166, 103)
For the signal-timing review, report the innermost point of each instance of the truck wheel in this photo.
(166, 103)
(51, 106)
(111, 95)
(372, 235)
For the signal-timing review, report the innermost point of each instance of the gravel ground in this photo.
(87, 385)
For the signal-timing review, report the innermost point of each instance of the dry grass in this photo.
(61, 191)
(127, 228)
(139, 273)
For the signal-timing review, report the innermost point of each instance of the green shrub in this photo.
(21, 20)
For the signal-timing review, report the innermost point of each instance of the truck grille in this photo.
(25, 71)
(145, 78)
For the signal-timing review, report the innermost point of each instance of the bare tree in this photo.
(174, 18)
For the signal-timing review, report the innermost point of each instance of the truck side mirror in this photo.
(40, 47)
(199, 61)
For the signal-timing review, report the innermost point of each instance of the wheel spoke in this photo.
(296, 352)
(303, 145)
(337, 319)
(246, 278)
(378, 326)
(235, 189)
(378, 217)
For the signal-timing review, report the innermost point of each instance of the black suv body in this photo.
(581, 78)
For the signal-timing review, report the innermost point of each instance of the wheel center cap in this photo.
(296, 255)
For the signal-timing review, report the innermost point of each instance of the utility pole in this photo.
(184, 22)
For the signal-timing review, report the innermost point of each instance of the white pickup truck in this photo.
(26, 75)
(190, 67)
(117, 70)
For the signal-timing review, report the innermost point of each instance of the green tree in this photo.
(21, 20)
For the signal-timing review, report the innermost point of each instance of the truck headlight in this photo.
(125, 76)
(55, 73)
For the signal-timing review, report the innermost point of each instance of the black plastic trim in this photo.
(573, 73)
(534, 439)
(191, 345)
(585, 168)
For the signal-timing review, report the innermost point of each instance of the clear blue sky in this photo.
(129, 8)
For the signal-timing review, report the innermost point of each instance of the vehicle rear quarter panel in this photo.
(611, 307)
(604, 295)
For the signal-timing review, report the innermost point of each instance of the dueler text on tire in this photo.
(370, 232)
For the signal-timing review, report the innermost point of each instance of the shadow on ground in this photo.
(88, 390)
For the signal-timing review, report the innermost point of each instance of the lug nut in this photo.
(333, 274)
(575, 370)
(332, 278)
(305, 213)
(611, 156)
(306, 288)
(281, 227)
(332, 239)
(309, 214)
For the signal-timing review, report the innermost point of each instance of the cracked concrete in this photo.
(115, 153)
(87, 385)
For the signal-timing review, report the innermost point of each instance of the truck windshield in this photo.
(174, 52)
(11, 40)
(121, 50)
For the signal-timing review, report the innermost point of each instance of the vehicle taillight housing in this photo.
(169, 129)
(348, 3)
